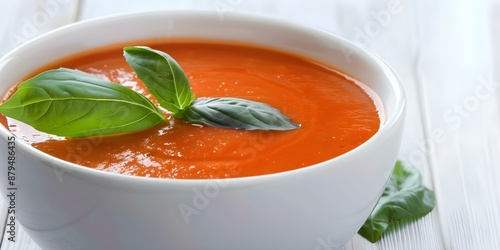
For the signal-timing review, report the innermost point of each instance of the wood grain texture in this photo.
(459, 99)
(23, 242)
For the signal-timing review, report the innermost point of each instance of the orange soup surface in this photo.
(336, 115)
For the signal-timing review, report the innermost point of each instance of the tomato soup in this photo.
(335, 111)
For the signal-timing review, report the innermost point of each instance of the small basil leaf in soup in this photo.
(72, 103)
(163, 77)
(404, 200)
(238, 114)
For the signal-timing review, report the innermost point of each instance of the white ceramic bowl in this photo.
(65, 206)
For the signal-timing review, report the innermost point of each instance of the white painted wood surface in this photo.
(447, 54)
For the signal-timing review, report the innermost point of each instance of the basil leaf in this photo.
(404, 200)
(237, 113)
(163, 77)
(73, 103)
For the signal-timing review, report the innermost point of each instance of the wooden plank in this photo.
(23, 242)
(460, 101)
(21, 21)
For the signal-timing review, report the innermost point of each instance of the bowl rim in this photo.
(69, 167)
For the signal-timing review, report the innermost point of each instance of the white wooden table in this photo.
(447, 54)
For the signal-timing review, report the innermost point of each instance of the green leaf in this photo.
(238, 114)
(163, 77)
(73, 103)
(404, 200)
(166, 80)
